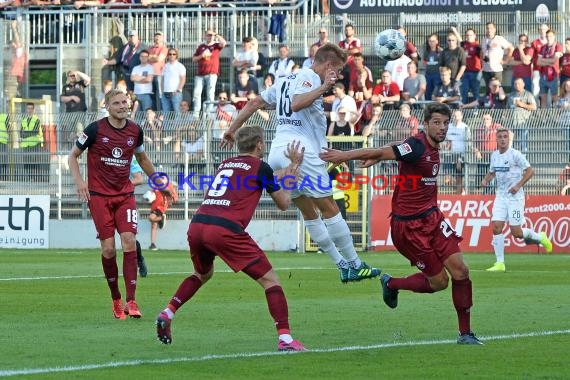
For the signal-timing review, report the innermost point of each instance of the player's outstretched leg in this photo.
(163, 322)
(390, 296)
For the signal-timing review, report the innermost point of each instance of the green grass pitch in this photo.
(56, 322)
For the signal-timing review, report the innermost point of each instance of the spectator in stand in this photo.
(563, 104)
(154, 124)
(341, 126)
(19, 64)
(495, 98)
(127, 58)
(342, 99)
(323, 38)
(496, 51)
(262, 63)
(222, 115)
(107, 86)
(522, 62)
(471, 79)
(406, 125)
(447, 92)
(454, 150)
(537, 47)
(194, 147)
(431, 54)
(308, 62)
(484, 143)
(564, 180)
(351, 44)
(246, 59)
(31, 143)
(142, 76)
(246, 87)
(268, 81)
(523, 103)
(386, 92)
(207, 56)
(549, 64)
(414, 85)
(565, 63)
(73, 96)
(453, 56)
(411, 51)
(173, 81)
(157, 58)
(360, 81)
(283, 66)
(398, 68)
(371, 127)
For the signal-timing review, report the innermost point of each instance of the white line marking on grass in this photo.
(153, 274)
(128, 363)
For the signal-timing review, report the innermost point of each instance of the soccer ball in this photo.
(389, 45)
(149, 196)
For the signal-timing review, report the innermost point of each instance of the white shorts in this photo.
(314, 181)
(508, 210)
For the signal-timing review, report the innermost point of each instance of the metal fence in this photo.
(79, 39)
(45, 171)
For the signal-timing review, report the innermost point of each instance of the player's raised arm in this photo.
(250, 108)
(368, 156)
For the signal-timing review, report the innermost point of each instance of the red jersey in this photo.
(354, 80)
(537, 46)
(391, 89)
(352, 44)
(565, 65)
(410, 50)
(548, 52)
(160, 203)
(210, 65)
(472, 56)
(109, 156)
(521, 70)
(418, 166)
(236, 189)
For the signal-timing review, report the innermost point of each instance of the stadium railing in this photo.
(46, 172)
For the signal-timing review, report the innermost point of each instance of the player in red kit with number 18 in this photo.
(419, 230)
(112, 142)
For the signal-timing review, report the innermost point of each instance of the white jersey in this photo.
(508, 168)
(458, 134)
(308, 125)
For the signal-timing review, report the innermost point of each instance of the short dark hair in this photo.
(144, 51)
(432, 108)
(247, 138)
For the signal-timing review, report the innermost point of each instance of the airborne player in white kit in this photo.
(512, 171)
(300, 116)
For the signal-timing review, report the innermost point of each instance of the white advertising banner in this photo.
(24, 221)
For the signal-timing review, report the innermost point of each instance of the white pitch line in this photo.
(71, 277)
(129, 363)
(154, 274)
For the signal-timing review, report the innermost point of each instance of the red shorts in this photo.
(238, 250)
(110, 213)
(427, 242)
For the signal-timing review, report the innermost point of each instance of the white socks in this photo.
(340, 235)
(529, 234)
(499, 246)
(320, 235)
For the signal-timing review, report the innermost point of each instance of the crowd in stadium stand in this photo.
(155, 79)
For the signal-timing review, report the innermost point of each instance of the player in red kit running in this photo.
(218, 229)
(419, 230)
(109, 192)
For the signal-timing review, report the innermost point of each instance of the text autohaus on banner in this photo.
(438, 6)
(24, 221)
(470, 216)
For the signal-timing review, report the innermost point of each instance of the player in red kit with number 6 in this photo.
(218, 229)
(419, 230)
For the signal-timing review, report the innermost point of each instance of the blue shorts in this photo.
(547, 86)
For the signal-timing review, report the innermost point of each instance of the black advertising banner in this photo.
(435, 6)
